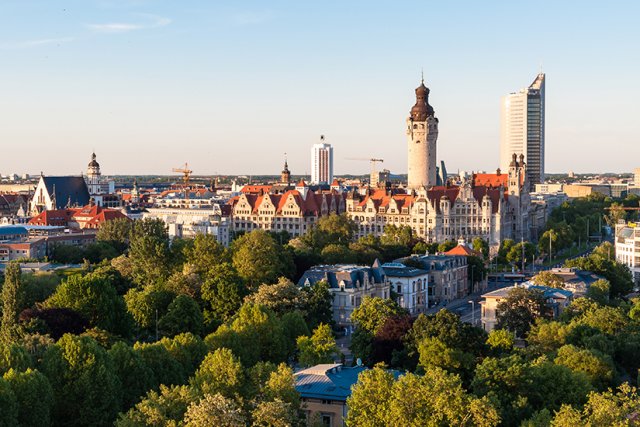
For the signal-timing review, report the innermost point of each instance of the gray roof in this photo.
(330, 381)
(11, 230)
(547, 291)
(394, 269)
(68, 190)
(352, 275)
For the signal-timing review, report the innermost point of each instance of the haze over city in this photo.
(230, 87)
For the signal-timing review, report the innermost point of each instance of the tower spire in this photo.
(422, 75)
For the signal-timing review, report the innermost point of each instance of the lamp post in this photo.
(473, 267)
(473, 312)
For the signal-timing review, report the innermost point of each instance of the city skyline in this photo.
(150, 85)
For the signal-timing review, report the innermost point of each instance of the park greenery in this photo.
(150, 331)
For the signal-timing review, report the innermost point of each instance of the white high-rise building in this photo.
(636, 177)
(522, 129)
(321, 163)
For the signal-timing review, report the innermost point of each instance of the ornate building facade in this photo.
(491, 206)
(295, 210)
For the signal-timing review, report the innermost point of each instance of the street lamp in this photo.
(473, 267)
(473, 312)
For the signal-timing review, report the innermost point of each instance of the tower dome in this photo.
(421, 110)
(93, 163)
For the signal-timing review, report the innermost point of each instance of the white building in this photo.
(410, 285)
(101, 189)
(628, 248)
(522, 128)
(187, 222)
(321, 163)
(636, 177)
(349, 285)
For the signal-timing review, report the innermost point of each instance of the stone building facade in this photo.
(422, 134)
(295, 211)
(490, 206)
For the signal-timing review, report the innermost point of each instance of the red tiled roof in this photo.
(462, 250)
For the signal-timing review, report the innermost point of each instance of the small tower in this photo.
(422, 134)
(516, 175)
(135, 192)
(93, 175)
(285, 175)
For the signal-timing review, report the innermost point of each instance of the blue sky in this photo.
(231, 86)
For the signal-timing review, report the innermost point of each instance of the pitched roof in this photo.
(462, 250)
(67, 190)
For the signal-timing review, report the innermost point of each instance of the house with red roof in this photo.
(90, 216)
(294, 210)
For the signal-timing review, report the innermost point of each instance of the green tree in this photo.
(397, 235)
(259, 259)
(254, 335)
(273, 414)
(543, 244)
(282, 297)
(164, 367)
(116, 232)
(134, 374)
(337, 228)
(447, 245)
(215, 410)
(335, 253)
(435, 353)
(12, 296)
(616, 214)
(482, 246)
(519, 309)
(86, 388)
(548, 278)
(34, 397)
(281, 385)
(514, 255)
(164, 408)
(14, 356)
(369, 403)
(148, 305)
(437, 398)
(373, 312)
(602, 261)
(149, 251)
(183, 315)
(319, 304)
(293, 327)
(95, 298)
(220, 372)
(222, 293)
(319, 348)
(599, 291)
(205, 254)
(8, 405)
(596, 366)
(501, 340)
(609, 408)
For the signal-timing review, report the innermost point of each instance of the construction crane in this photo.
(373, 177)
(186, 176)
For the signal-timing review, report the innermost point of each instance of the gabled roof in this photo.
(68, 190)
(462, 250)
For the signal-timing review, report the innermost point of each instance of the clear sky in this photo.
(230, 86)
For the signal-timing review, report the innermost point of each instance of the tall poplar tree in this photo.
(11, 299)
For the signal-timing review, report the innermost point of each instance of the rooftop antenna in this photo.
(422, 75)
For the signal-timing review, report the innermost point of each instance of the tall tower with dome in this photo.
(94, 176)
(422, 134)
